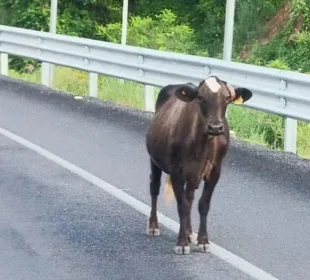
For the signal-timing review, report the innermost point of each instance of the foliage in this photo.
(75, 18)
(290, 45)
(208, 18)
(186, 26)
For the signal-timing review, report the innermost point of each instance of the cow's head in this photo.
(213, 95)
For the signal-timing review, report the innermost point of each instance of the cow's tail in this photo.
(168, 192)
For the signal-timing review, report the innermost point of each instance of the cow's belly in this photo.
(162, 154)
(158, 151)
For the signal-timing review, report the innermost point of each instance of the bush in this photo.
(278, 63)
(298, 56)
(162, 33)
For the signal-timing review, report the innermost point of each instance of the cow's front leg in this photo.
(182, 246)
(191, 186)
(204, 206)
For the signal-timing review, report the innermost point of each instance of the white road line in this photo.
(214, 249)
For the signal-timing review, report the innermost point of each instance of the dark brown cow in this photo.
(188, 139)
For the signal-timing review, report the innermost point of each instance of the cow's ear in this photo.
(187, 93)
(242, 95)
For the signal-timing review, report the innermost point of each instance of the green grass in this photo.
(250, 125)
(76, 82)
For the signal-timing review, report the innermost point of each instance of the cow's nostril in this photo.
(216, 128)
(220, 127)
(210, 126)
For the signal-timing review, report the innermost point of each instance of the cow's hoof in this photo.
(152, 229)
(203, 248)
(192, 239)
(182, 250)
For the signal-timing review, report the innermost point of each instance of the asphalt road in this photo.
(55, 225)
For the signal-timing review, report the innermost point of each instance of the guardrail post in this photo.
(124, 28)
(47, 74)
(149, 99)
(47, 69)
(4, 58)
(93, 84)
(229, 32)
(290, 135)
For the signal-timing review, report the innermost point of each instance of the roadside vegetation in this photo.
(272, 33)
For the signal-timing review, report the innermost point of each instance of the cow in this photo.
(188, 139)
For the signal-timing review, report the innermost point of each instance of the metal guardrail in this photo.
(275, 91)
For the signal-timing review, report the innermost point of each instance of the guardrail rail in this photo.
(281, 92)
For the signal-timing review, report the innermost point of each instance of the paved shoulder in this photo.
(54, 225)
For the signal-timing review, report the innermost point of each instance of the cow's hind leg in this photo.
(155, 177)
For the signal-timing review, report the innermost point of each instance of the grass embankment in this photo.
(253, 126)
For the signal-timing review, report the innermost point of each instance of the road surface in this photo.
(56, 225)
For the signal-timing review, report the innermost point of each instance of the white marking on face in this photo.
(213, 85)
